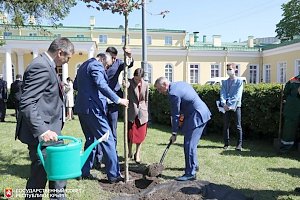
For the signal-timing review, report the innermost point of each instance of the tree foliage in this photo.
(17, 12)
(289, 25)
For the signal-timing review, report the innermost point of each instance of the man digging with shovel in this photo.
(184, 100)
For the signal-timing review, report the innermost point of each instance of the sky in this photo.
(234, 20)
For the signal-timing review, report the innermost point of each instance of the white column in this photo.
(91, 52)
(35, 53)
(8, 67)
(21, 63)
(65, 72)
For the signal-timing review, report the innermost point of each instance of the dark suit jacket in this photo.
(16, 91)
(3, 89)
(184, 100)
(41, 104)
(113, 74)
(91, 83)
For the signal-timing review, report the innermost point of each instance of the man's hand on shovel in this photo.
(173, 137)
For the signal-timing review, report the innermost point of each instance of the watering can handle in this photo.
(39, 151)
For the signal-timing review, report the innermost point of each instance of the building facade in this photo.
(172, 53)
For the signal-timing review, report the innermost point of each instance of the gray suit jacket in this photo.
(138, 101)
(41, 104)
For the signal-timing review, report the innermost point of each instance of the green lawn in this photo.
(257, 172)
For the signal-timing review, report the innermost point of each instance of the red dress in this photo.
(137, 131)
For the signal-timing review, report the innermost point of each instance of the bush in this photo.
(260, 108)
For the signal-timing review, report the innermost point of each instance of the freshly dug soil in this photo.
(154, 169)
(142, 187)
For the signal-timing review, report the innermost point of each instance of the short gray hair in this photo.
(160, 81)
(63, 44)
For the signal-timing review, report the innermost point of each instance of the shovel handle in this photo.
(165, 152)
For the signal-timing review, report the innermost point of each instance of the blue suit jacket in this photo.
(185, 100)
(231, 95)
(113, 74)
(92, 86)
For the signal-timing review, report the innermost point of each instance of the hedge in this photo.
(260, 108)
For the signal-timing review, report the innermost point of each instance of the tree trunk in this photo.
(126, 97)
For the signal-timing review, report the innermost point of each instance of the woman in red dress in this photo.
(138, 93)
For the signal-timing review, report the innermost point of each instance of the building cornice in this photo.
(282, 50)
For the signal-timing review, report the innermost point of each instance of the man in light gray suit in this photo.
(41, 113)
(185, 101)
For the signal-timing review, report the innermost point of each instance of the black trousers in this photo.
(2, 110)
(238, 123)
(38, 179)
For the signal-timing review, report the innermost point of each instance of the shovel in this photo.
(157, 168)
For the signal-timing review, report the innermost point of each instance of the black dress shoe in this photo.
(116, 180)
(238, 148)
(97, 166)
(226, 147)
(89, 177)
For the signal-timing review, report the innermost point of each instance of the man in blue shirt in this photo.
(231, 100)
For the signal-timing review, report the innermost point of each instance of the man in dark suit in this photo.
(113, 73)
(91, 83)
(3, 98)
(41, 113)
(184, 100)
(15, 92)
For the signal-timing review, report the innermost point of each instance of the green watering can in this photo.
(64, 161)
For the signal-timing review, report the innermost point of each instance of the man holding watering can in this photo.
(41, 113)
(91, 83)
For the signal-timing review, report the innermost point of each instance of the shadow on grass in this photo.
(267, 194)
(295, 172)
(252, 147)
(19, 170)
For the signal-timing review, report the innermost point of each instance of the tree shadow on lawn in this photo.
(295, 172)
(252, 147)
(19, 170)
(267, 194)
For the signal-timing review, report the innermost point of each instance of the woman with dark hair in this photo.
(138, 93)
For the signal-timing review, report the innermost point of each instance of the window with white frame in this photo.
(149, 73)
(237, 70)
(214, 70)
(32, 34)
(253, 74)
(194, 73)
(149, 40)
(297, 67)
(281, 72)
(267, 73)
(103, 39)
(7, 33)
(169, 72)
(81, 36)
(123, 39)
(168, 40)
(58, 35)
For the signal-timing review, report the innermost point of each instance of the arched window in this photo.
(169, 72)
